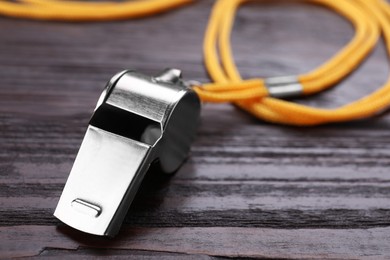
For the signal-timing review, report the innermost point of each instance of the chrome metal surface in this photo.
(169, 76)
(138, 120)
(192, 83)
(86, 207)
(284, 87)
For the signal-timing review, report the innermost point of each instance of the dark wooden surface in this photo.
(249, 189)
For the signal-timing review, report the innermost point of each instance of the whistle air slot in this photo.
(126, 124)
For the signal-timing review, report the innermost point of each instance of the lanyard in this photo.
(262, 97)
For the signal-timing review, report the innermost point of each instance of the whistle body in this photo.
(138, 120)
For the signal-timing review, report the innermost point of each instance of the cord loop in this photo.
(370, 19)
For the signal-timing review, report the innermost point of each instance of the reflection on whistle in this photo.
(138, 120)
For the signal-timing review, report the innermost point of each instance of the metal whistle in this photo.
(138, 120)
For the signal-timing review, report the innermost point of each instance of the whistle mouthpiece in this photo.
(138, 120)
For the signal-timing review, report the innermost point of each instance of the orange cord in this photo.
(370, 18)
(86, 11)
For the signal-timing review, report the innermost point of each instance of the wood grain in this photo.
(218, 241)
(250, 189)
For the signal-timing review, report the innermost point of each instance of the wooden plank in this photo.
(216, 241)
(203, 193)
(93, 253)
(249, 189)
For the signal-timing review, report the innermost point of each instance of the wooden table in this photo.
(249, 189)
